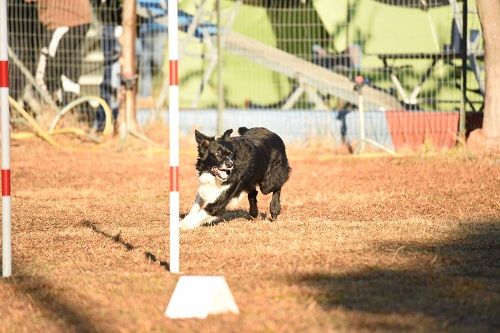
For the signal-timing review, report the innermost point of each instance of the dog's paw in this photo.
(253, 212)
(185, 227)
(188, 224)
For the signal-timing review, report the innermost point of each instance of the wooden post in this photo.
(127, 117)
(488, 138)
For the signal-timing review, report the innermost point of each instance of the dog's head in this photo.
(215, 155)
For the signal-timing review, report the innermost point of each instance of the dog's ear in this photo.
(202, 140)
(226, 134)
(242, 130)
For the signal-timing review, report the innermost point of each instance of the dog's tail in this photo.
(242, 130)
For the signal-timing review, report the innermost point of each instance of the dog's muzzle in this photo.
(224, 171)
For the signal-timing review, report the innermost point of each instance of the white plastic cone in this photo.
(199, 296)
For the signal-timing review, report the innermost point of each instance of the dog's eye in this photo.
(218, 154)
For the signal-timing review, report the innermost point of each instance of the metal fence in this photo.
(287, 64)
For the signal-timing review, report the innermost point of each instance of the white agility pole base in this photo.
(200, 296)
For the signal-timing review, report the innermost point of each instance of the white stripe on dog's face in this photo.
(210, 187)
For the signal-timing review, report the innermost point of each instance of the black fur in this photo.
(257, 156)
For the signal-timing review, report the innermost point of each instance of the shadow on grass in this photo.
(231, 215)
(459, 288)
(128, 246)
(48, 298)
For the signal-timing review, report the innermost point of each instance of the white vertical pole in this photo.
(5, 129)
(361, 110)
(220, 83)
(173, 120)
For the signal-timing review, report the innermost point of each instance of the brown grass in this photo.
(363, 244)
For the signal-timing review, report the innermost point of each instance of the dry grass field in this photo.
(363, 244)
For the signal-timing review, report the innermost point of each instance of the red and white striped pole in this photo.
(173, 120)
(5, 129)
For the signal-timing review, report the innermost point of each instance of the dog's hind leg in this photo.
(252, 199)
(275, 206)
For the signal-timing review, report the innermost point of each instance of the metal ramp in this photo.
(306, 72)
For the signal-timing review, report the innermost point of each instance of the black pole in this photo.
(464, 70)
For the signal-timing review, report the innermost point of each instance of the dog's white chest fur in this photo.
(209, 190)
(211, 187)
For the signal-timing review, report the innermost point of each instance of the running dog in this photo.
(230, 167)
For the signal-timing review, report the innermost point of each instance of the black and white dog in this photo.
(231, 166)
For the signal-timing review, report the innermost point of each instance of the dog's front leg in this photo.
(196, 219)
(198, 203)
(190, 221)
